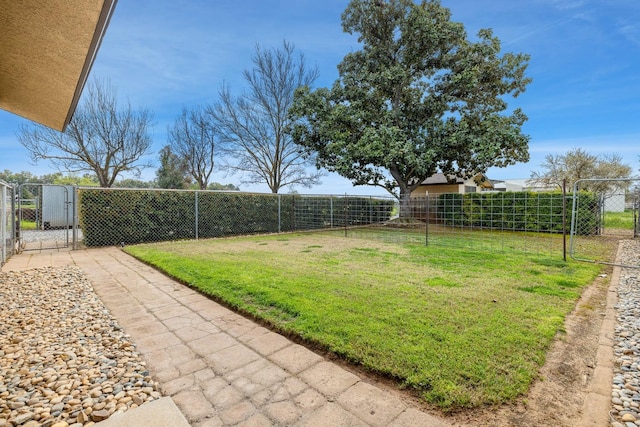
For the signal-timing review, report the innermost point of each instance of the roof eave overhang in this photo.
(47, 51)
(96, 41)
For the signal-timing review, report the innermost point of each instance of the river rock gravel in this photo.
(625, 395)
(64, 360)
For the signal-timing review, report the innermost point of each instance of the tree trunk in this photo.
(405, 193)
(405, 204)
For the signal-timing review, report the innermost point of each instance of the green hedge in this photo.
(112, 217)
(312, 212)
(517, 211)
(119, 216)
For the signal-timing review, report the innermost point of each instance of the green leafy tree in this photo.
(58, 178)
(172, 172)
(50, 178)
(18, 177)
(253, 126)
(222, 187)
(418, 97)
(135, 183)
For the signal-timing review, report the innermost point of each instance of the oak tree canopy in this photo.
(419, 97)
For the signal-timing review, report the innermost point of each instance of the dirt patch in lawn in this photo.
(289, 245)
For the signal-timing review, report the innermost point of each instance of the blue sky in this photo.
(585, 62)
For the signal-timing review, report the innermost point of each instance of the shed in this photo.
(57, 206)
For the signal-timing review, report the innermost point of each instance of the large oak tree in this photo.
(419, 97)
(173, 171)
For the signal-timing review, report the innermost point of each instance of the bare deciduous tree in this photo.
(101, 138)
(253, 126)
(192, 137)
(578, 164)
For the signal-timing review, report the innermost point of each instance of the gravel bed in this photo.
(30, 236)
(625, 396)
(64, 360)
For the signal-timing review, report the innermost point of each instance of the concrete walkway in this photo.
(218, 367)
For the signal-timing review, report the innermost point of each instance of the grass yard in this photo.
(27, 225)
(463, 328)
(619, 220)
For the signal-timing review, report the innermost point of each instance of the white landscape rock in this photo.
(625, 396)
(64, 360)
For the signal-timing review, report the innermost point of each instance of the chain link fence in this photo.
(529, 222)
(36, 216)
(600, 213)
(608, 215)
(526, 222)
(7, 221)
(129, 216)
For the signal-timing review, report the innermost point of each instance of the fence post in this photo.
(636, 206)
(3, 225)
(74, 215)
(346, 214)
(426, 222)
(564, 219)
(279, 214)
(65, 211)
(293, 212)
(574, 208)
(331, 210)
(196, 212)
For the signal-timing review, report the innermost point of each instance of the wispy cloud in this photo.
(626, 145)
(567, 5)
(539, 30)
(630, 31)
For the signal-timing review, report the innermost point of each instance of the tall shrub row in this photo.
(312, 212)
(112, 217)
(118, 216)
(517, 211)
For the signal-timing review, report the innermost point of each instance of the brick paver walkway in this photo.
(219, 367)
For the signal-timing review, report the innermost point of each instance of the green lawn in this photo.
(27, 225)
(619, 220)
(463, 328)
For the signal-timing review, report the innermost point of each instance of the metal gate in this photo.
(46, 215)
(604, 210)
(7, 221)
